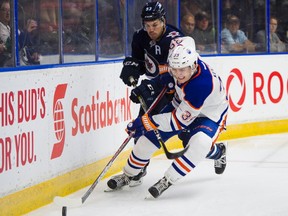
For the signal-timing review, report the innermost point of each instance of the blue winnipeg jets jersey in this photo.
(157, 49)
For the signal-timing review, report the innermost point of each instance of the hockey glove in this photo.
(148, 90)
(185, 136)
(141, 125)
(131, 68)
(167, 80)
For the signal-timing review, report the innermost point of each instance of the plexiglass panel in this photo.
(78, 31)
(111, 30)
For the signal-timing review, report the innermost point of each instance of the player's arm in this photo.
(134, 65)
(179, 119)
(167, 122)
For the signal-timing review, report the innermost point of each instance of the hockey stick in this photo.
(169, 155)
(70, 202)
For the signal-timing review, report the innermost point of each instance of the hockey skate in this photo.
(158, 188)
(119, 181)
(220, 164)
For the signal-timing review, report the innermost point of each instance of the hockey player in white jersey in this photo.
(197, 115)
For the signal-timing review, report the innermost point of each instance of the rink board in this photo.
(60, 126)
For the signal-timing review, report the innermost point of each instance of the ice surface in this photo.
(255, 183)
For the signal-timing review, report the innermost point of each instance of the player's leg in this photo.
(135, 168)
(217, 152)
(200, 144)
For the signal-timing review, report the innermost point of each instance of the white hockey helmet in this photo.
(183, 56)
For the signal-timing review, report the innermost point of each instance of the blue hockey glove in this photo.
(148, 90)
(131, 68)
(141, 125)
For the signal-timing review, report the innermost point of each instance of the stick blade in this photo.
(68, 202)
(174, 155)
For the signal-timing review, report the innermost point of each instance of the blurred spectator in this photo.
(48, 14)
(188, 24)
(193, 6)
(276, 45)
(111, 42)
(5, 35)
(76, 27)
(27, 43)
(245, 11)
(233, 39)
(204, 33)
(280, 9)
(48, 26)
(28, 52)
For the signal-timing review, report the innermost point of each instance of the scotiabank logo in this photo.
(87, 113)
(59, 123)
(236, 76)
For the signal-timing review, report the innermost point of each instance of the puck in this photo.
(64, 211)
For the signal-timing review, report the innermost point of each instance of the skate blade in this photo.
(135, 183)
(149, 197)
(112, 190)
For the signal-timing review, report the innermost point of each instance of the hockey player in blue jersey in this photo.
(150, 47)
(199, 106)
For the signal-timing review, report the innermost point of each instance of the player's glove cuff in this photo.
(148, 123)
(141, 125)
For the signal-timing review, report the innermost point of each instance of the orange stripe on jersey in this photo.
(221, 128)
(163, 68)
(182, 165)
(135, 162)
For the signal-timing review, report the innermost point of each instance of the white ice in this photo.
(255, 183)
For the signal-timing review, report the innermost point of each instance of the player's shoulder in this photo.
(203, 65)
(170, 27)
(173, 32)
(139, 32)
(202, 79)
(140, 35)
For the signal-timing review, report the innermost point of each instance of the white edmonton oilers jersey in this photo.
(202, 96)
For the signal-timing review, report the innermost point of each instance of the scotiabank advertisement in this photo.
(56, 120)
(60, 119)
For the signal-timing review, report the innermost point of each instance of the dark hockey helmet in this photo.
(152, 11)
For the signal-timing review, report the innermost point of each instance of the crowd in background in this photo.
(233, 27)
(243, 26)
